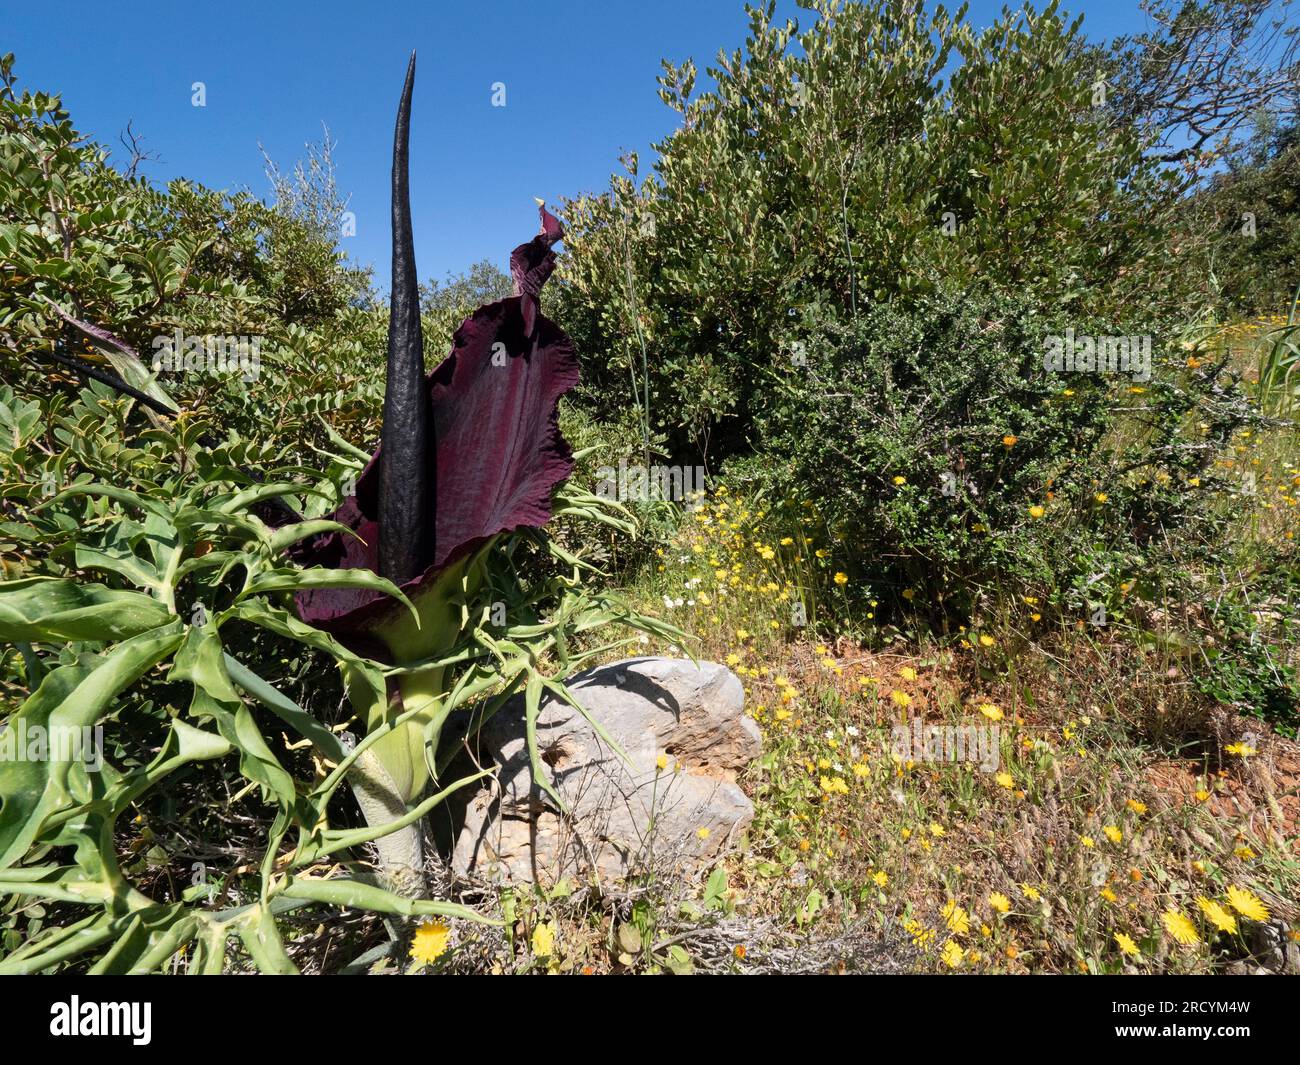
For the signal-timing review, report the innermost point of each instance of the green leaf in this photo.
(678, 961)
(63, 883)
(366, 688)
(201, 662)
(715, 891)
(532, 709)
(262, 939)
(291, 534)
(184, 744)
(286, 710)
(74, 696)
(59, 945)
(287, 580)
(356, 895)
(334, 840)
(250, 497)
(123, 496)
(117, 559)
(49, 609)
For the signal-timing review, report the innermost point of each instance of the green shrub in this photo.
(1253, 208)
(878, 154)
(927, 438)
(81, 237)
(1250, 663)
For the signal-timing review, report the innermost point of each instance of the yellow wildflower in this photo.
(1217, 915)
(1127, 945)
(957, 919)
(430, 941)
(1246, 904)
(544, 939)
(1180, 929)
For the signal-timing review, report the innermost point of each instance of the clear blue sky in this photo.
(579, 76)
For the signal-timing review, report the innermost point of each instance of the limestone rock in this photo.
(622, 818)
(1273, 949)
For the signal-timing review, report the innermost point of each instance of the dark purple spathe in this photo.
(497, 450)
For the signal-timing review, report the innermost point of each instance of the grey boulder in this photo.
(622, 818)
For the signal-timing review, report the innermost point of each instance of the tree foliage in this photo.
(873, 156)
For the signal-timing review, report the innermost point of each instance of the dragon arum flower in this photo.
(468, 452)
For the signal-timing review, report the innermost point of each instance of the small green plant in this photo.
(1279, 365)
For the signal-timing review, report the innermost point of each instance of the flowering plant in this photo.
(417, 587)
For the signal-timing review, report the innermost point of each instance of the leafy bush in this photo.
(1253, 210)
(835, 165)
(948, 462)
(160, 651)
(81, 240)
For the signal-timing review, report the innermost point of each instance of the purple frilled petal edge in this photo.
(499, 454)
